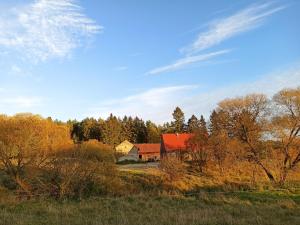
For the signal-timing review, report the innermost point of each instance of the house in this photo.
(174, 144)
(135, 152)
(126, 151)
(148, 152)
(124, 147)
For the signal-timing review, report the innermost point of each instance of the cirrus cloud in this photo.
(45, 29)
(220, 30)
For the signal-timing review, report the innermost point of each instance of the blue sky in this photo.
(75, 58)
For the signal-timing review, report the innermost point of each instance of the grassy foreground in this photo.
(235, 208)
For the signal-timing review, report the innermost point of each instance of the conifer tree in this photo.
(193, 124)
(178, 123)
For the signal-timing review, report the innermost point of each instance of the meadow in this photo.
(273, 208)
(151, 199)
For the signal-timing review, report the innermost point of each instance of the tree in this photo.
(27, 143)
(246, 118)
(285, 128)
(128, 129)
(167, 128)
(178, 123)
(112, 131)
(193, 124)
(76, 131)
(198, 149)
(218, 142)
(153, 132)
(218, 138)
(90, 129)
(140, 131)
(202, 126)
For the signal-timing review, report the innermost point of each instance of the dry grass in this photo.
(149, 198)
(253, 208)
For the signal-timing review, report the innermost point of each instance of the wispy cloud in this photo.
(158, 104)
(219, 31)
(150, 104)
(240, 22)
(45, 29)
(268, 84)
(186, 61)
(20, 102)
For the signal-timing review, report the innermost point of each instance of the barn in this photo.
(126, 151)
(124, 147)
(135, 152)
(148, 152)
(174, 144)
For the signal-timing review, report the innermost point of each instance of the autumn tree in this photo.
(246, 116)
(26, 142)
(285, 128)
(198, 146)
(198, 149)
(218, 138)
(90, 129)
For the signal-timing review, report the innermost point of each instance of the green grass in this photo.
(220, 209)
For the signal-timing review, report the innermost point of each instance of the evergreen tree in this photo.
(219, 122)
(75, 130)
(167, 128)
(193, 124)
(153, 133)
(203, 126)
(112, 131)
(90, 129)
(214, 126)
(178, 123)
(140, 131)
(128, 129)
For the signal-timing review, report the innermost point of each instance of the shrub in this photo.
(172, 167)
(85, 169)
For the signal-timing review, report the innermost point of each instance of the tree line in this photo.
(114, 130)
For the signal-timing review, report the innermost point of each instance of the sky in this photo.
(72, 59)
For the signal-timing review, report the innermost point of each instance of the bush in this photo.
(74, 171)
(83, 170)
(172, 167)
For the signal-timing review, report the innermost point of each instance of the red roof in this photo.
(174, 142)
(148, 148)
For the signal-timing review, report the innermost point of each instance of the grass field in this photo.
(150, 199)
(271, 208)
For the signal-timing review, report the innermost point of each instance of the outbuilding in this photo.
(174, 144)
